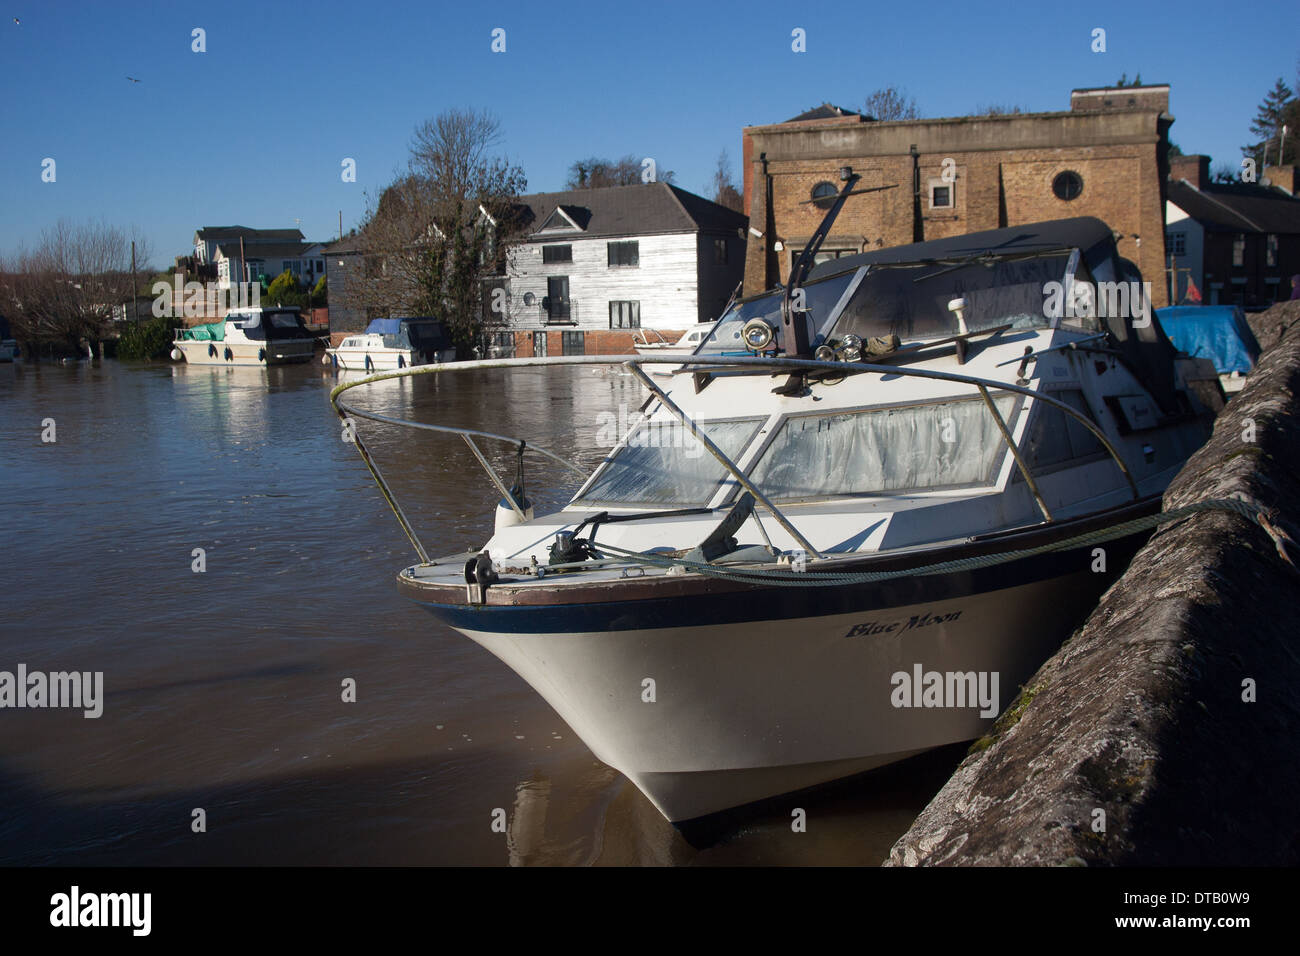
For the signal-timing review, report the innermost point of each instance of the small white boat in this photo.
(254, 336)
(389, 344)
(685, 345)
(840, 534)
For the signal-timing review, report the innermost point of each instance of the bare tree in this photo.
(891, 103)
(996, 109)
(63, 291)
(725, 192)
(597, 173)
(440, 229)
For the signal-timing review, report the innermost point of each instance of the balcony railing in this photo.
(557, 313)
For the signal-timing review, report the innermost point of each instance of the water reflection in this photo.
(222, 688)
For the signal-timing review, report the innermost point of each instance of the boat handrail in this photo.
(633, 364)
(639, 338)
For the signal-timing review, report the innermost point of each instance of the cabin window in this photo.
(719, 252)
(1056, 438)
(663, 463)
(624, 253)
(625, 315)
(884, 451)
(557, 254)
(1239, 250)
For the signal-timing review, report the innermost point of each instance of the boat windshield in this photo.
(820, 297)
(911, 299)
(663, 463)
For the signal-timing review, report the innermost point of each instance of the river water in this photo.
(223, 689)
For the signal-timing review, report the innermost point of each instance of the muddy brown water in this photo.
(223, 689)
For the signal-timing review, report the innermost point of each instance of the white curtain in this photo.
(888, 450)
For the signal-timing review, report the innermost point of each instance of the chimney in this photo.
(1195, 169)
(1283, 177)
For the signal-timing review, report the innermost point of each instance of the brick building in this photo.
(1236, 243)
(1107, 156)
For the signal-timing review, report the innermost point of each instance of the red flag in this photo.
(1193, 293)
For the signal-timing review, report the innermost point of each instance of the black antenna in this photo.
(796, 333)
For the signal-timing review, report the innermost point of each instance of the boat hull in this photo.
(746, 705)
(284, 352)
(373, 360)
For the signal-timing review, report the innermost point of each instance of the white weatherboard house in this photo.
(597, 266)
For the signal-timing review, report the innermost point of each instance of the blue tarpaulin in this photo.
(1216, 332)
(384, 326)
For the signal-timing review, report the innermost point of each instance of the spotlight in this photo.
(824, 353)
(757, 334)
(850, 348)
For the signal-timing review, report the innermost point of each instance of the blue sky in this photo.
(253, 131)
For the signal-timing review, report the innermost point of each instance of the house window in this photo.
(557, 253)
(624, 253)
(625, 315)
(1238, 250)
(1270, 251)
(320, 265)
(823, 195)
(1177, 242)
(1067, 185)
(573, 343)
(719, 252)
(941, 195)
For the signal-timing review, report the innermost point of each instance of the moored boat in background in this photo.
(389, 344)
(252, 336)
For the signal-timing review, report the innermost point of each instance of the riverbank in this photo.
(1163, 731)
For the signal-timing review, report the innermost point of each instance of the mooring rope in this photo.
(835, 579)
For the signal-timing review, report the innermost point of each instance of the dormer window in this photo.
(560, 221)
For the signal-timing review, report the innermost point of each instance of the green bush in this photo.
(148, 340)
(320, 293)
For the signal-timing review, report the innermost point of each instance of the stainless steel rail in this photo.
(634, 362)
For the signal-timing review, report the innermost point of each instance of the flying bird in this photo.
(133, 79)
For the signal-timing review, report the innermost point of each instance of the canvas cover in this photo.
(1216, 332)
(212, 332)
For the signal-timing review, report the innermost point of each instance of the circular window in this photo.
(1067, 185)
(529, 298)
(823, 195)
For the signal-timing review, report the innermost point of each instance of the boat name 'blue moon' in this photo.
(868, 628)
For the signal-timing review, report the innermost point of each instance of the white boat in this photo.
(389, 344)
(253, 336)
(685, 345)
(850, 542)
